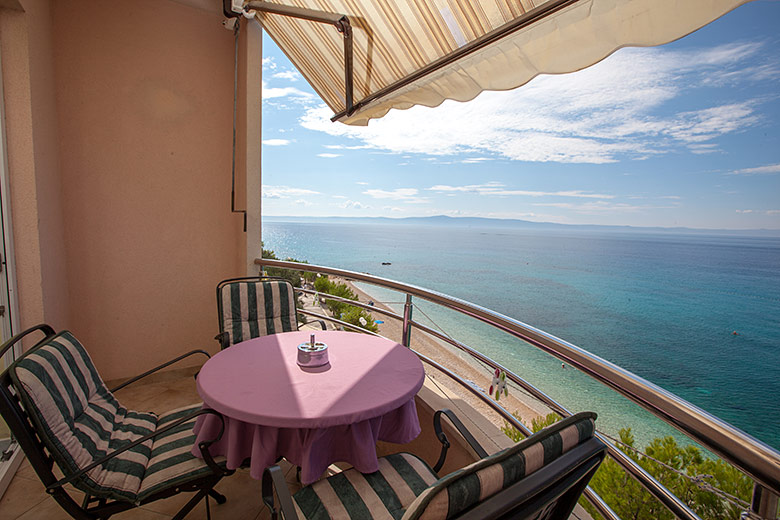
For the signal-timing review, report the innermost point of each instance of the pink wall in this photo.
(48, 176)
(144, 99)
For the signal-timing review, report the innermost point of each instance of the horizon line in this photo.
(499, 219)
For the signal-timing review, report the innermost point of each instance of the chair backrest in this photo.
(541, 478)
(77, 419)
(253, 307)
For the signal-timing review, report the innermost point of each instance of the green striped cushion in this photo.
(66, 398)
(171, 462)
(83, 421)
(384, 494)
(462, 489)
(253, 309)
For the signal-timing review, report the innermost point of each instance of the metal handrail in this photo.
(755, 458)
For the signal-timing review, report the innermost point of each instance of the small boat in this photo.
(387, 263)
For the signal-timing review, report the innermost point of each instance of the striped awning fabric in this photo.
(422, 52)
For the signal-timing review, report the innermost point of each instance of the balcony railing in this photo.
(753, 457)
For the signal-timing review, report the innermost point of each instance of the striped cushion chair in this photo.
(350, 494)
(79, 421)
(253, 307)
(539, 478)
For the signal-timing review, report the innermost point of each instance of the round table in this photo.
(311, 416)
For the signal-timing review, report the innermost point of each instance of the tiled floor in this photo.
(26, 498)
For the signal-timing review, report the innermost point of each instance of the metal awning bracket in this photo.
(339, 21)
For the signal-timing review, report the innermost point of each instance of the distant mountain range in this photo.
(479, 222)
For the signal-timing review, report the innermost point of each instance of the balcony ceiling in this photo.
(421, 52)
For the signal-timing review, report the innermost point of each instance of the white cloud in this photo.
(290, 75)
(599, 206)
(276, 142)
(338, 196)
(476, 160)
(707, 124)
(702, 148)
(303, 202)
(285, 192)
(345, 147)
(281, 92)
(392, 209)
(601, 114)
(759, 170)
(329, 155)
(495, 188)
(769, 212)
(353, 204)
(361, 183)
(406, 195)
(471, 188)
(269, 63)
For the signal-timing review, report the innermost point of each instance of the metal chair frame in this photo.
(30, 439)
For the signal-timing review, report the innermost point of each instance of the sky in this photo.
(685, 134)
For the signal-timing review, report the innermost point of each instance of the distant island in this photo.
(493, 223)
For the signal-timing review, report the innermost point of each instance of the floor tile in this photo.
(21, 496)
(244, 500)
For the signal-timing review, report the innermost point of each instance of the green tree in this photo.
(537, 424)
(353, 314)
(322, 284)
(631, 501)
(342, 290)
(342, 310)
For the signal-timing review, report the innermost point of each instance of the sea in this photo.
(697, 314)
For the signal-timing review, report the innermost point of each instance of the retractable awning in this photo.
(422, 52)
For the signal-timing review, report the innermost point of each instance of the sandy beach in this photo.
(516, 402)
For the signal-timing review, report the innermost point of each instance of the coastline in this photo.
(517, 402)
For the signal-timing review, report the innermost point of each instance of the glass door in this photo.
(10, 455)
(5, 335)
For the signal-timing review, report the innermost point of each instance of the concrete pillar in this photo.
(253, 142)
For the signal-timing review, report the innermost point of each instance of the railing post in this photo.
(406, 331)
(764, 504)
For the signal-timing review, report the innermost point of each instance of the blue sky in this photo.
(686, 134)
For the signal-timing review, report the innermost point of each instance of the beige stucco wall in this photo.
(32, 151)
(48, 175)
(119, 128)
(144, 97)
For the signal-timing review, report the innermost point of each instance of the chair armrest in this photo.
(445, 443)
(43, 327)
(203, 447)
(224, 340)
(274, 478)
(155, 369)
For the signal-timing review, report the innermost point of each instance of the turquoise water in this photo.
(662, 306)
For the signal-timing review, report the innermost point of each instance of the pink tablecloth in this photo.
(312, 417)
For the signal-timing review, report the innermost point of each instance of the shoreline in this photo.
(517, 402)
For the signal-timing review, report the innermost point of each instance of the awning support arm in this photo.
(339, 21)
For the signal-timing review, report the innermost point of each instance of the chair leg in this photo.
(190, 504)
(216, 495)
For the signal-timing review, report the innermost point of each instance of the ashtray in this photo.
(312, 354)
